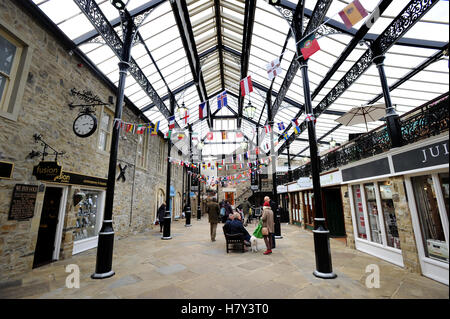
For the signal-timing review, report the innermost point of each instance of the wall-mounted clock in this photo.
(85, 125)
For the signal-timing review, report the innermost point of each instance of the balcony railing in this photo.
(427, 120)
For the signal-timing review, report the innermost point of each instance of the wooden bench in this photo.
(234, 241)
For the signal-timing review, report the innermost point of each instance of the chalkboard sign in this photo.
(23, 201)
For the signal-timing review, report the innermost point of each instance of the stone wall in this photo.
(405, 227)
(345, 189)
(53, 72)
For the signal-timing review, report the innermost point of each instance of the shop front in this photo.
(382, 217)
(427, 185)
(86, 203)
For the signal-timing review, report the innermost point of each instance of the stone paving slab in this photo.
(191, 266)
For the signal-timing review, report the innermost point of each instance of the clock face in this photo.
(85, 125)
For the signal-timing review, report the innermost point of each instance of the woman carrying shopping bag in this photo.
(268, 227)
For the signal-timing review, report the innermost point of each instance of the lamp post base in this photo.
(190, 225)
(103, 276)
(322, 275)
(278, 237)
(166, 238)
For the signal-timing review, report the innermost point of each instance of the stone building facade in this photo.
(39, 105)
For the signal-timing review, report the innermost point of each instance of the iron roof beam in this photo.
(249, 20)
(418, 43)
(343, 57)
(93, 13)
(183, 21)
(143, 9)
(219, 40)
(412, 13)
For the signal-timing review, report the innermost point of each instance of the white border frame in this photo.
(92, 242)
(61, 215)
(382, 251)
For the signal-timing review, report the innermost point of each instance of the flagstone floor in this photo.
(191, 266)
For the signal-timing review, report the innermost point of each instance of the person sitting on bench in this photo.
(236, 227)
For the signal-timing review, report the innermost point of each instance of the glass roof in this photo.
(218, 34)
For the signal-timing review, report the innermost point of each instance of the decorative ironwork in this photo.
(425, 121)
(430, 120)
(402, 23)
(103, 27)
(412, 13)
(89, 98)
(33, 153)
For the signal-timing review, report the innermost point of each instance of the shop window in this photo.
(14, 63)
(429, 216)
(105, 131)
(360, 222)
(142, 150)
(390, 220)
(372, 212)
(88, 220)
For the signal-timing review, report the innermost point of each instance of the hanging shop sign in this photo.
(71, 178)
(23, 202)
(374, 168)
(172, 191)
(47, 170)
(6, 170)
(425, 156)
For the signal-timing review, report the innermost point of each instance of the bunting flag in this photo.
(309, 46)
(296, 127)
(268, 128)
(310, 117)
(180, 136)
(234, 166)
(241, 165)
(155, 128)
(222, 100)
(274, 69)
(169, 134)
(210, 136)
(352, 14)
(171, 122)
(194, 136)
(281, 126)
(186, 117)
(239, 135)
(140, 129)
(246, 86)
(224, 135)
(201, 108)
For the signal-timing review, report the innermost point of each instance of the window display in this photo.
(372, 212)
(361, 225)
(430, 220)
(87, 221)
(443, 178)
(390, 220)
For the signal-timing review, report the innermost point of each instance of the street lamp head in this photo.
(250, 110)
(118, 4)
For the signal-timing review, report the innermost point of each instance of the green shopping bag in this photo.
(258, 233)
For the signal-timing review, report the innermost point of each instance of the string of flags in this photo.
(134, 128)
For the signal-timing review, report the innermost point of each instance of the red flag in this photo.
(200, 110)
(210, 136)
(246, 85)
(309, 46)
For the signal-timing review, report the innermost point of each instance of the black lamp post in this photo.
(277, 216)
(189, 182)
(199, 210)
(324, 267)
(289, 165)
(392, 118)
(168, 215)
(103, 267)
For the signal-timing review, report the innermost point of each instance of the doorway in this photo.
(230, 198)
(45, 245)
(333, 211)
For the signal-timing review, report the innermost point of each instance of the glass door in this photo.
(431, 214)
(360, 221)
(390, 220)
(372, 212)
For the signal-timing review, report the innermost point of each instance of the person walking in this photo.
(268, 226)
(161, 214)
(213, 209)
(245, 206)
